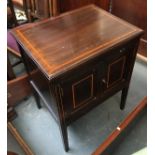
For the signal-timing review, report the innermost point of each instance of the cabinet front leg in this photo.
(64, 136)
(124, 97)
(62, 122)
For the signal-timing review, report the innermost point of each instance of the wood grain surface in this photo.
(58, 44)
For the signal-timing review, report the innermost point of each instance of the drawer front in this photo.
(79, 90)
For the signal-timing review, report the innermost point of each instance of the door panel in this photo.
(82, 91)
(114, 66)
(115, 71)
(79, 90)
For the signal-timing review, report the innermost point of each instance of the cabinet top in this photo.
(58, 44)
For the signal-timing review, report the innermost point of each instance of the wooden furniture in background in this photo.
(19, 4)
(26, 148)
(11, 113)
(41, 9)
(10, 73)
(18, 88)
(135, 12)
(77, 60)
(67, 5)
(11, 153)
(12, 47)
(11, 17)
(112, 141)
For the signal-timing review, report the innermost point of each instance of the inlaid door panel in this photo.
(115, 71)
(78, 90)
(113, 67)
(82, 91)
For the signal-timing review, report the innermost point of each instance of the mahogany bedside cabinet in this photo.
(77, 60)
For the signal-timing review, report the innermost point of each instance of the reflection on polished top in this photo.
(60, 43)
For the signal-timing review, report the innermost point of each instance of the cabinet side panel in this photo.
(41, 84)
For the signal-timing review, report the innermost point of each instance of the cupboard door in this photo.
(115, 65)
(82, 91)
(115, 71)
(79, 90)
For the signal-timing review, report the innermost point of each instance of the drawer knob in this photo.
(122, 50)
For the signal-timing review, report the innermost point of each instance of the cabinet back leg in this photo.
(37, 99)
(124, 97)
